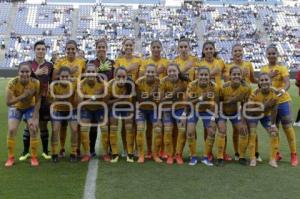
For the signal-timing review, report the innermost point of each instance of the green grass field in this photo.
(150, 180)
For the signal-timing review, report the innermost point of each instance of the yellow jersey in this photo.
(147, 91)
(163, 62)
(182, 64)
(247, 69)
(115, 92)
(258, 96)
(167, 88)
(17, 88)
(216, 63)
(277, 81)
(64, 93)
(210, 94)
(86, 91)
(227, 92)
(122, 61)
(78, 63)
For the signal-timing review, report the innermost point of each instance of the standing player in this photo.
(172, 89)
(147, 88)
(41, 70)
(161, 64)
(266, 96)
(232, 96)
(23, 100)
(281, 81)
(77, 67)
(64, 108)
(297, 83)
(105, 67)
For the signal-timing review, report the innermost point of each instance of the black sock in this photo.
(93, 138)
(26, 141)
(298, 116)
(45, 140)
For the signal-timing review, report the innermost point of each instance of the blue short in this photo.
(205, 116)
(265, 121)
(119, 114)
(284, 113)
(234, 119)
(169, 118)
(18, 114)
(92, 115)
(146, 115)
(64, 115)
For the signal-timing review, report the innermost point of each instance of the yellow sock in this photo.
(209, 142)
(62, 136)
(291, 137)
(243, 143)
(252, 143)
(113, 139)
(181, 139)
(192, 146)
(221, 145)
(129, 139)
(85, 140)
(157, 140)
(104, 139)
(274, 146)
(11, 143)
(33, 146)
(168, 140)
(235, 140)
(54, 148)
(140, 137)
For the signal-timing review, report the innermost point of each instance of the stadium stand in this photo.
(4, 13)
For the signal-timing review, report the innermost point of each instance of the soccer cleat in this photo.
(278, 156)
(210, 157)
(294, 159)
(10, 162)
(157, 159)
(73, 158)
(273, 163)
(106, 158)
(296, 124)
(179, 159)
(207, 162)
(227, 157)
(236, 156)
(115, 159)
(163, 155)
(220, 162)
(253, 163)
(54, 158)
(170, 160)
(93, 154)
(141, 159)
(258, 158)
(62, 153)
(46, 156)
(193, 161)
(243, 161)
(24, 157)
(34, 162)
(148, 155)
(130, 158)
(85, 158)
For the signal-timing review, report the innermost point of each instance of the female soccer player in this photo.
(23, 100)
(297, 83)
(64, 108)
(105, 67)
(248, 76)
(121, 90)
(232, 96)
(172, 92)
(266, 96)
(77, 67)
(204, 94)
(280, 80)
(92, 89)
(161, 65)
(147, 88)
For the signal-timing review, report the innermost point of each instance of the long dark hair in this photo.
(181, 76)
(209, 43)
